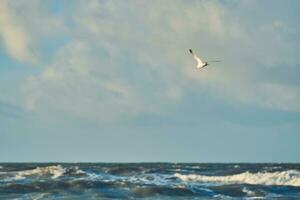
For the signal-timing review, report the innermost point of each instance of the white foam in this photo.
(248, 192)
(254, 198)
(289, 178)
(34, 196)
(221, 196)
(79, 171)
(55, 171)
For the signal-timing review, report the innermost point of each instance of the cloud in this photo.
(80, 83)
(129, 58)
(22, 24)
(284, 97)
(15, 38)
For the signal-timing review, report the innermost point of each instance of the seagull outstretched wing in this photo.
(200, 63)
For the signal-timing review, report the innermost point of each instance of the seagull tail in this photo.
(191, 51)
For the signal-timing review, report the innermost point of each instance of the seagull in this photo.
(200, 63)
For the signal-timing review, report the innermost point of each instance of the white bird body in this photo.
(200, 63)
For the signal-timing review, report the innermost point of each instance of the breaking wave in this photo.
(54, 171)
(286, 178)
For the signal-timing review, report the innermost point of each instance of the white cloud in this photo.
(127, 58)
(52, 74)
(15, 38)
(22, 24)
(284, 97)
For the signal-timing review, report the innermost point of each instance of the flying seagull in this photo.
(200, 63)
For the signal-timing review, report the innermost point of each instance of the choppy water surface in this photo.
(149, 181)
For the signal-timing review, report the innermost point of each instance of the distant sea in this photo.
(149, 181)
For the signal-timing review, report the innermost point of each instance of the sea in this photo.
(184, 181)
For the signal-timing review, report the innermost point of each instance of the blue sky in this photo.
(112, 81)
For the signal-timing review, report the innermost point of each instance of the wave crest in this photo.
(55, 171)
(287, 178)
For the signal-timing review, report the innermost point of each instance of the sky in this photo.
(113, 81)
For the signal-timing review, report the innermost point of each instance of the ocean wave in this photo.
(152, 179)
(142, 192)
(248, 192)
(272, 168)
(254, 198)
(54, 171)
(286, 178)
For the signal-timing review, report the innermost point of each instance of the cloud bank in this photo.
(124, 59)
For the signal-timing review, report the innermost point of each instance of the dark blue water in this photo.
(149, 181)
